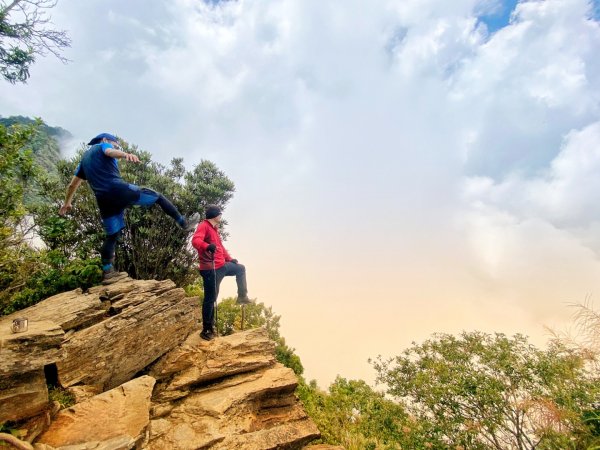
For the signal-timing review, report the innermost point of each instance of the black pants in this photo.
(211, 289)
(145, 197)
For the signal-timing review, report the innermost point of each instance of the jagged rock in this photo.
(197, 361)
(77, 309)
(123, 411)
(117, 443)
(23, 389)
(81, 393)
(153, 318)
(288, 436)
(223, 394)
(255, 410)
(22, 395)
(31, 349)
(324, 447)
(123, 292)
(69, 310)
(35, 426)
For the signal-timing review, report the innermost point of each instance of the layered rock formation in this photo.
(131, 355)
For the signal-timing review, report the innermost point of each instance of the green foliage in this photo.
(60, 395)
(16, 171)
(41, 127)
(480, 391)
(50, 277)
(24, 33)
(27, 274)
(256, 315)
(11, 428)
(44, 141)
(152, 246)
(353, 415)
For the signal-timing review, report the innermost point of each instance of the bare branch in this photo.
(26, 31)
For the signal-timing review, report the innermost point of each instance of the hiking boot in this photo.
(191, 222)
(244, 300)
(207, 335)
(110, 273)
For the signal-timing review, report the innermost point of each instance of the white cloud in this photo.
(394, 154)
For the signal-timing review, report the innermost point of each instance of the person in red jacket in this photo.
(215, 264)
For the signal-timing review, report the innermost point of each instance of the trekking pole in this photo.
(243, 310)
(216, 304)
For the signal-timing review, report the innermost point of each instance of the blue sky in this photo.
(399, 171)
(501, 16)
(502, 13)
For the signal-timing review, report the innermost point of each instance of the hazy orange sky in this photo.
(402, 168)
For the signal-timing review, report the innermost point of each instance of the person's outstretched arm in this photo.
(120, 154)
(71, 189)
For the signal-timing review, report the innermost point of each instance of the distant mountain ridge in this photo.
(46, 141)
(55, 132)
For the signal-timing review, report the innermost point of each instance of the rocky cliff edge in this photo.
(131, 356)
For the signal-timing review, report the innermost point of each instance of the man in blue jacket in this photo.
(100, 168)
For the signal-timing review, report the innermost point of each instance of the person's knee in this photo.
(241, 268)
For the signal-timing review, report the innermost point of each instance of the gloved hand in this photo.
(211, 248)
(234, 261)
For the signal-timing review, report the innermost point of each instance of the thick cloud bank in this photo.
(402, 167)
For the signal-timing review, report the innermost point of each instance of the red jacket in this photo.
(207, 234)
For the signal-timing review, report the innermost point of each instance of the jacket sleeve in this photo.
(198, 239)
(79, 172)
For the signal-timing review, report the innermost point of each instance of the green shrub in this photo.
(52, 277)
(60, 395)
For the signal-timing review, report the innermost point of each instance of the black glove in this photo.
(233, 261)
(211, 248)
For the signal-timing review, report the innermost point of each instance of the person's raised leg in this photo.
(148, 197)
(239, 271)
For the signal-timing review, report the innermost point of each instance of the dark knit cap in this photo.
(212, 211)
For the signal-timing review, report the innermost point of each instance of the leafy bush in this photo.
(256, 315)
(28, 274)
(51, 278)
(60, 395)
(482, 391)
(355, 416)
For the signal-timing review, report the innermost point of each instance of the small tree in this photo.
(483, 391)
(350, 413)
(24, 33)
(584, 337)
(152, 246)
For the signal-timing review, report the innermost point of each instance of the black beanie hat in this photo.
(212, 211)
